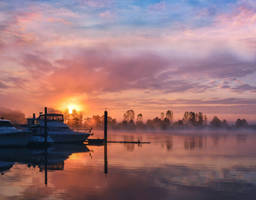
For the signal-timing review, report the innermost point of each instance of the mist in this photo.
(15, 116)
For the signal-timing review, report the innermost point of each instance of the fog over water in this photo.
(179, 166)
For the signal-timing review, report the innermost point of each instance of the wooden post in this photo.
(34, 118)
(45, 126)
(105, 142)
(46, 166)
(46, 150)
(105, 126)
(105, 158)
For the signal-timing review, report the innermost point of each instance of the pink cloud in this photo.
(57, 57)
(242, 17)
(95, 3)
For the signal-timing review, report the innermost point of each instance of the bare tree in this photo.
(169, 115)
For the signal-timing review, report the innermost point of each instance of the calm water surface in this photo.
(177, 166)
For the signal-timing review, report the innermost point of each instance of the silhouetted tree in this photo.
(128, 122)
(139, 117)
(199, 119)
(241, 123)
(162, 116)
(216, 122)
(224, 124)
(205, 120)
(186, 118)
(139, 121)
(190, 119)
(169, 115)
(129, 115)
(178, 124)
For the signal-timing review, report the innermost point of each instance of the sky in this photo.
(146, 55)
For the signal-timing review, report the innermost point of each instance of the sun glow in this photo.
(70, 104)
(72, 107)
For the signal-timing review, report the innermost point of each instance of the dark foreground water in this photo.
(178, 166)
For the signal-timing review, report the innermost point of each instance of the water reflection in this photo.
(131, 146)
(106, 158)
(46, 159)
(241, 138)
(194, 142)
(172, 166)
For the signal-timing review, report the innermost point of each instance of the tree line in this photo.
(131, 121)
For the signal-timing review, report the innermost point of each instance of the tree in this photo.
(162, 116)
(128, 122)
(186, 118)
(169, 115)
(200, 119)
(129, 115)
(139, 117)
(205, 120)
(241, 123)
(216, 122)
(224, 124)
(139, 121)
(192, 118)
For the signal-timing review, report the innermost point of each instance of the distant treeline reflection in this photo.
(164, 122)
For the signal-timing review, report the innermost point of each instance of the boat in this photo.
(57, 130)
(11, 136)
(5, 166)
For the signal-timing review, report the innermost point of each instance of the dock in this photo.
(102, 142)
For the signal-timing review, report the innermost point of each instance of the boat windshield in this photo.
(52, 117)
(5, 124)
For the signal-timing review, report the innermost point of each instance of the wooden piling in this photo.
(34, 118)
(105, 126)
(45, 126)
(105, 158)
(105, 142)
(46, 166)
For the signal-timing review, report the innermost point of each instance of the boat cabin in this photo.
(52, 117)
(5, 123)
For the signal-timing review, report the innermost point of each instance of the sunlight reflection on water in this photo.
(194, 166)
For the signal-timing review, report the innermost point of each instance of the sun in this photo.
(72, 107)
(70, 104)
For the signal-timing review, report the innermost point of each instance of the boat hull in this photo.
(68, 138)
(62, 137)
(19, 139)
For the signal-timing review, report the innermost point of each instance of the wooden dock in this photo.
(102, 142)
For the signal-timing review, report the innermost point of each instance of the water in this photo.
(177, 166)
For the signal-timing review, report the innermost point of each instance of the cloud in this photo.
(96, 70)
(245, 87)
(36, 65)
(3, 85)
(216, 66)
(91, 70)
(13, 115)
(52, 50)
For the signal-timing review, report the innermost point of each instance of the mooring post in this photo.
(46, 166)
(45, 126)
(105, 126)
(105, 142)
(34, 118)
(105, 158)
(45, 146)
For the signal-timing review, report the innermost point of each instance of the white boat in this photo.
(5, 166)
(11, 136)
(57, 130)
